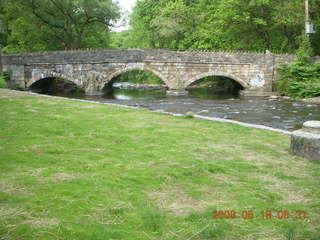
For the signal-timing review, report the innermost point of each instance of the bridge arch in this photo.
(118, 72)
(192, 80)
(55, 85)
(44, 75)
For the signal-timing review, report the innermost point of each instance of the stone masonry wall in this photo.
(93, 68)
(130, 55)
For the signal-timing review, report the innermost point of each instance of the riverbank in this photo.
(312, 100)
(315, 100)
(78, 170)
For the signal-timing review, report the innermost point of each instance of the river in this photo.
(276, 113)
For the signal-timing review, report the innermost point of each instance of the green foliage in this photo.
(3, 83)
(121, 39)
(139, 77)
(172, 23)
(188, 116)
(305, 52)
(38, 25)
(223, 25)
(259, 25)
(299, 80)
(4, 79)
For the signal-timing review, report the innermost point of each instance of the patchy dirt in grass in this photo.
(35, 149)
(61, 177)
(42, 222)
(204, 154)
(179, 202)
(45, 101)
(6, 212)
(5, 93)
(159, 164)
(11, 188)
(289, 192)
(36, 172)
(225, 179)
(106, 216)
(95, 149)
(33, 110)
(90, 107)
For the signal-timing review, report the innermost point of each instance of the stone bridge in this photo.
(92, 69)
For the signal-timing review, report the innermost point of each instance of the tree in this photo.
(68, 24)
(121, 39)
(172, 23)
(4, 23)
(315, 18)
(249, 25)
(143, 33)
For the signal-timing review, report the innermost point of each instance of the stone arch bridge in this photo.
(92, 69)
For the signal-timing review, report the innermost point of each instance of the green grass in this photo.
(74, 170)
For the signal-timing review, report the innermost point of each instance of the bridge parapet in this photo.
(139, 55)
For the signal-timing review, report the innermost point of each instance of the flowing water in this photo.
(282, 114)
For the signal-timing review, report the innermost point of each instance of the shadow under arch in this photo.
(215, 87)
(44, 75)
(238, 80)
(55, 86)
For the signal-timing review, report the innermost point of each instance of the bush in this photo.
(3, 83)
(299, 80)
(305, 51)
(139, 77)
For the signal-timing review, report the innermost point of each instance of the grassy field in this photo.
(75, 170)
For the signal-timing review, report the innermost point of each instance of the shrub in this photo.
(305, 51)
(3, 83)
(299, 80)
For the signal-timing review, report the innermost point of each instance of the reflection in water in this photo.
(131, 94)
(122, 97)
(210, 93)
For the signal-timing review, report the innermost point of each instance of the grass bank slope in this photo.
(75, 170)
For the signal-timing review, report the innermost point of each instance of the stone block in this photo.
(306, 142)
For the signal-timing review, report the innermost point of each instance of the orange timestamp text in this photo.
(264, 214)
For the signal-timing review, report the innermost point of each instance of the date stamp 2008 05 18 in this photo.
(264, 214)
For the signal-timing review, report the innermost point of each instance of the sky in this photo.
(126, 5)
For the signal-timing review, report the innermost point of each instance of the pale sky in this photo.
(126, 5)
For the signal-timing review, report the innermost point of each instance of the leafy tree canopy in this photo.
(250, 25)
(33, 25)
